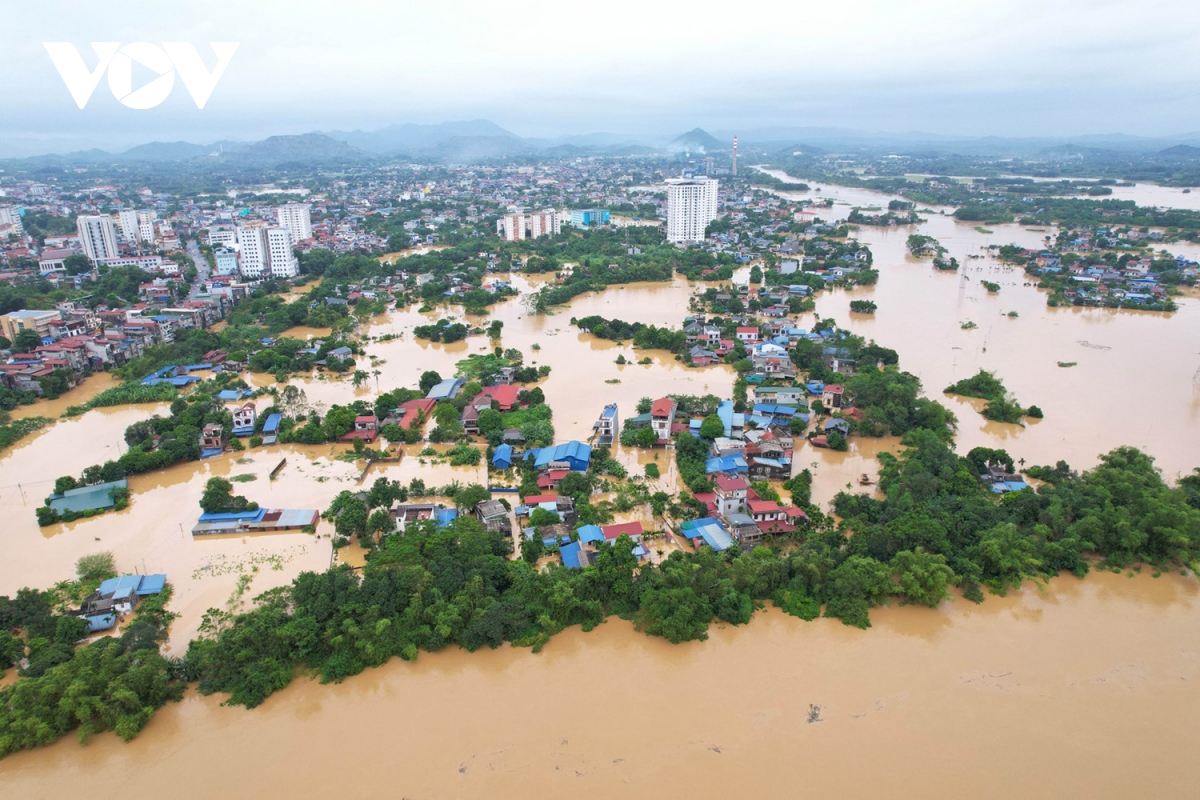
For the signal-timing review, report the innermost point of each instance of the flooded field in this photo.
(1098, 700)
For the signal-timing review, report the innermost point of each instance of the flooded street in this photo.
(1097, 701)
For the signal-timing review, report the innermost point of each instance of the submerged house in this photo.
(244, 419)
(608, 427)
(87, 498)
(261, 520)
(116, 597)
(212, 440)
(570, 455)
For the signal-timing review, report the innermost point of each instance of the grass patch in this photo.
(244, 478)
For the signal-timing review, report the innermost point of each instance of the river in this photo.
(1085, 690)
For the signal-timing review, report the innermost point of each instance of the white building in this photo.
(255, 257)
(691, 205)
(10, 215)
(283, 261)
(222, 237)
(518, 226)
(137, 226)
(129, 225)
(146, 220)
(98, 237)
(226, 261)
(297, 218)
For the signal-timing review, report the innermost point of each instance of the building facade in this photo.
(691, 205)
(582, 218)
(297, 218)
(518, 226)
(97, 237)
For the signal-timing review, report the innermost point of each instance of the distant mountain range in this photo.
(473, 141)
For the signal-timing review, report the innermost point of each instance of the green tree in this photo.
(921, 577)
(428, 380)
(712, 427)
(26, 341)
(219, 498)
(95, 567)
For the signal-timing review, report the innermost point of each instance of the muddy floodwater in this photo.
(1086, 690)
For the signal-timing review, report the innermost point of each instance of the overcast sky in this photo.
(1016, 68)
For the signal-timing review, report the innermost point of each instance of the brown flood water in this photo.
(1086, 690)
(1083, 690)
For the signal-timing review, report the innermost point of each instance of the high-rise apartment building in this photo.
(691, 205)
(518, 226)
(252, 247)
(146, 220)
(98, 237)
(279, 249)
(137, 226)
(266, 252)
(11, 215)
(297, 218)
(127, 221)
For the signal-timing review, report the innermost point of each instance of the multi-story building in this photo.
(137, 226)
(226, 261)
(11, 215)
(297, 218)
(98, 237)
(127, 220)
(146, 220)
(14, 322)
(222, 237)
(252, 246)
(518, 226)
(581, 218)
(662, 417)
(283, 261)
(691, 205)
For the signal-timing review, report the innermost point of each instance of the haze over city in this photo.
(630, 68)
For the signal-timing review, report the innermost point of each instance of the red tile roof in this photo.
(833, 387)
(728, 484)
(628, 528)
(763, 506)
(411, 409)
(534, 499)
(662, 407)
(505, 395)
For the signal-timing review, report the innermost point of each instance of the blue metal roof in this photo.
(571, 555)
(272, 423)
(732, 464)
(503, 456)
(725, 412)
(446, 515)
(710, 530)
(227, 516)
(590, 533)
(101, 622)
(151, 584)
(573, 451)
(446, 390)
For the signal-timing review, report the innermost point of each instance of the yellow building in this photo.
(14, 322)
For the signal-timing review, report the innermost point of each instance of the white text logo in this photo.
(163, 61)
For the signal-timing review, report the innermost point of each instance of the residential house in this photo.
(608, 427)
(244, 420)
(493, 515)
(730, 494)
(212, 440)
(662, 417)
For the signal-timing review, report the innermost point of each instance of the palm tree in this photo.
(376, 373)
